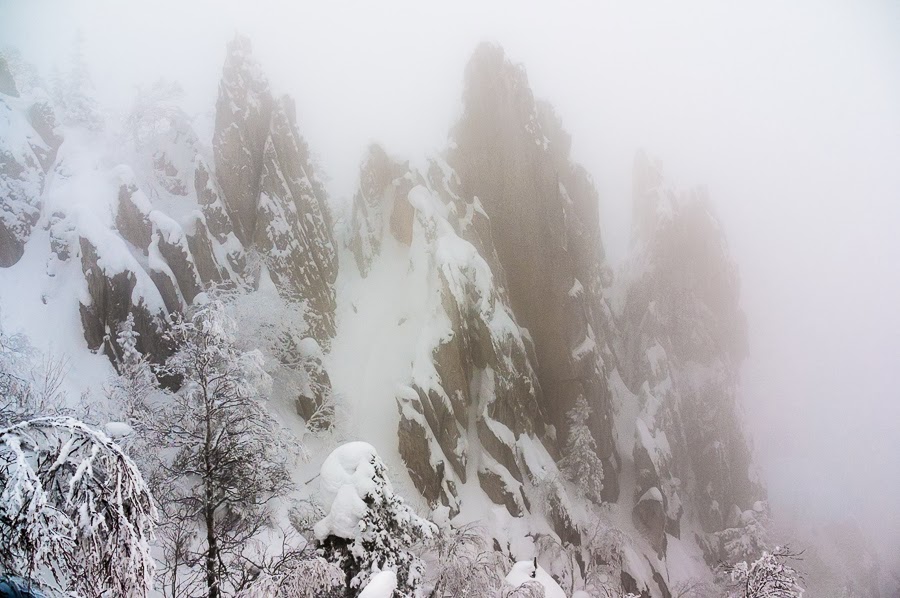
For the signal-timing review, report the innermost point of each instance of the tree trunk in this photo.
(209, 510)
(212, 552)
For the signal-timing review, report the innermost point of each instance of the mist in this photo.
(788, 114)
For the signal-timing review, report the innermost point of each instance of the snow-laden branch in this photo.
(75, 512)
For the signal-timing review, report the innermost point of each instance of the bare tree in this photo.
(695, 588)
(31, 384)
(223, 457)
(464, 566)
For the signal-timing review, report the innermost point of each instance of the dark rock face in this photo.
(243, 111)
(110, 303)
(174, 248)
(133, 222)
(649, 516)
(423, 460)
(513, 155)
(217, 221)
(372, 203)
(293, 224)
(201, 249)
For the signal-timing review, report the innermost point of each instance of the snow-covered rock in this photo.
(474, 309)
(28, 148)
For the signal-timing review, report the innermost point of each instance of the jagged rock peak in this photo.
(681, 313)
(293, 228)
(7, 82)
(243, 111)
(513, 155)
(272, 195)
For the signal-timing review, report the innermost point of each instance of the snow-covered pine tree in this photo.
(79, 107)
(581, 465)
(132, 388)
(230, 455)
(369, 528)
(75, 513)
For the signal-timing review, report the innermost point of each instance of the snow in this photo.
(382, 585)
(653, 494)
(118, 430)
(349, 465)
(41, 307)
(577, 289)
(585, 347)
(524, 571)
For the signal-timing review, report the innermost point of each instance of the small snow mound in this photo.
(652, 494)
(118, 430)
(347, 477)
(350, 464)
(382, 585)
(524, 571)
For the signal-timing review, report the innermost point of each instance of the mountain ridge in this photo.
(490, 266)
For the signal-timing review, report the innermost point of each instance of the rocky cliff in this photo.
(147, 235)
(486, 263)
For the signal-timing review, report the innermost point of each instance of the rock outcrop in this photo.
(474, 387)
(149, 237)
(276, 204)
(27, 150)
(683, 339)
(513, 155)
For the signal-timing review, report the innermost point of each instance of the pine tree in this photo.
(385, 531)
(581, 465)
(135, 384)
(230, 455)
(77, 94)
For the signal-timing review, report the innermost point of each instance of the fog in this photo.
(789, 114)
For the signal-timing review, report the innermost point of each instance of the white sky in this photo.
(789, 112)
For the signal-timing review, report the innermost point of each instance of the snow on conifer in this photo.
(581, 464)
(368, 528)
